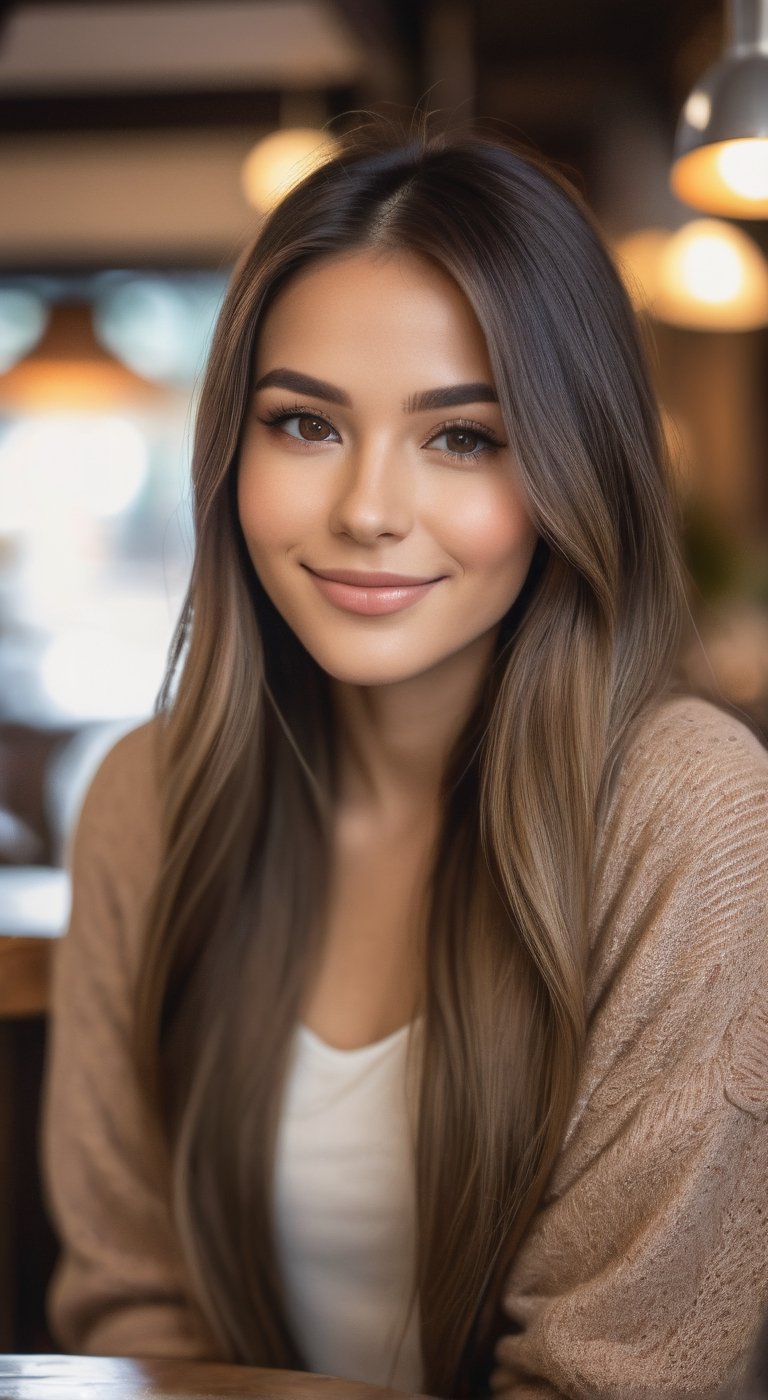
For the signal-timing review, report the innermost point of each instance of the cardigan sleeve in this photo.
(644, 1274)
(119, 1287)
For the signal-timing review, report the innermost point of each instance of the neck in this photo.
(395, 739)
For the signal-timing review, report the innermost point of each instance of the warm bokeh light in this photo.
(713, 276)
(639, 258)
(725, 177)
(706, 266)
(744, 167)
(95, 526)
(69, 369)
(707, 276)
(280, 160)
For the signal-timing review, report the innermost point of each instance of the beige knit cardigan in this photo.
(645, 1270)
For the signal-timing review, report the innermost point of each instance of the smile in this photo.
(370, 594)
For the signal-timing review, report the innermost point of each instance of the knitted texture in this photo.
(644, 1272)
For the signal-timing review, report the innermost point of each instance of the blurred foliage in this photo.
(719, 566)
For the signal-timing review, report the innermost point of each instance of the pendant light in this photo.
(721, 147)
(70, 370)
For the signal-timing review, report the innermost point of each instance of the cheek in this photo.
(270, 510)
(492, 530)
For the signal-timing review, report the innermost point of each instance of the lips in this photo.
(368, 579)
(370, 594)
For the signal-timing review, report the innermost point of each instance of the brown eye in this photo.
(301, 426)
(313, 429)
(461, 440)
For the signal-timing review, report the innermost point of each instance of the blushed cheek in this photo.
(265, 514)
(495, 532)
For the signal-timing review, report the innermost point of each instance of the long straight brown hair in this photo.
(248, 771)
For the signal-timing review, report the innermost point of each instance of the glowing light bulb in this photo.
(712, 276)
(710, 269)
(707, 276)
(743, 165)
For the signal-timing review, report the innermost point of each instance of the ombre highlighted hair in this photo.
(248, 758)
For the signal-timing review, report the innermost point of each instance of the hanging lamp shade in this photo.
(69, 369)
(721, 148)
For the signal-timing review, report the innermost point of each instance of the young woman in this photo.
(412, 1022)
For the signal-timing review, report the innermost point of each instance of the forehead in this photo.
(391, 314)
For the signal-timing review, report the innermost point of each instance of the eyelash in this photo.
(489, 443)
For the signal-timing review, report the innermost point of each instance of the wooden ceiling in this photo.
(72, 63)
(172, 78)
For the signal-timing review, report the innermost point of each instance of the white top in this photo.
(345, 1206)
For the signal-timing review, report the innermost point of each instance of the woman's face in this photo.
(379, 500)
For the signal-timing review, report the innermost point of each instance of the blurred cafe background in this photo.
(140, 143)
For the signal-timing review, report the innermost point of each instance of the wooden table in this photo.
(118, 1378)
(34, 902)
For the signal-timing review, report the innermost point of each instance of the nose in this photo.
(374, 499)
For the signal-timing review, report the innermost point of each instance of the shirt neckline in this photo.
(358, 1051)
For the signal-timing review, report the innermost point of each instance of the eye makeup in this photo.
(277, 417)
(487, 441)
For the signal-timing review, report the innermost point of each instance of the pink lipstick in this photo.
(368, 593)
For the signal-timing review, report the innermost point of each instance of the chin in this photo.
(355, 665)
(357, 673)
(390, 667)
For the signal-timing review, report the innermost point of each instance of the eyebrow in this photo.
(451, 397)
(303, 384)
(427, 400)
